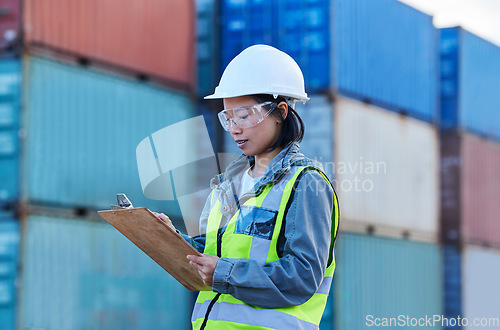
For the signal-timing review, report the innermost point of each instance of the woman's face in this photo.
(254, 140)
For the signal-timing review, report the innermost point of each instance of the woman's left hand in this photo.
(205, 265)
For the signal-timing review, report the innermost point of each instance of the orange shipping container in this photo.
(153, 38)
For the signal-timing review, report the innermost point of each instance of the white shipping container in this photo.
(317, 144)
(480, 287)
(386, 170)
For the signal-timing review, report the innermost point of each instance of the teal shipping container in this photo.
(381, 278)
(9, 252)
(10, 88)
(83, 127)
(85, 275)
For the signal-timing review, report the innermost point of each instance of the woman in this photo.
(269, 225)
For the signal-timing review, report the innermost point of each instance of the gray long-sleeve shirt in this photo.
(303, 249)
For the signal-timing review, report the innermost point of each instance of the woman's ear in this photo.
(283, 107)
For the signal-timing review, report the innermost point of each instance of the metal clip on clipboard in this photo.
(123, 202)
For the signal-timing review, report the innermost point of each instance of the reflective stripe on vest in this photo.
(227, 311)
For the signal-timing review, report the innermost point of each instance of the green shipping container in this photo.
(86, 275)
(378, 279)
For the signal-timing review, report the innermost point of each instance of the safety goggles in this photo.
(245, 117)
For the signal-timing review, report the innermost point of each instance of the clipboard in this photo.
(160, 242)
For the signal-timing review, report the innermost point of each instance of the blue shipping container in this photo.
(452, 284)
(381, 51)
(9, 114)
(10, 79)
(9, 178)
(9, 252)
(386, 52)
(207, 46)
(9, 143)
(10, 90)
(10, 85)
(86, 275)
(9, 238)
(379, 278)
(83, 128)
(470, 83)
(327, 320)
(303, 33)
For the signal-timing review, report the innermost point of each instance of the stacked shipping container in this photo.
(88, 102)
(342, 46)
(82, 130)
(383, 278)
(81, 274)
(10, 85)
(152, 39)
(470, 163)
(9, 255)
(373, 82)
(387, 179)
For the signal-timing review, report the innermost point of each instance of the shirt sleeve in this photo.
(297, 274)
(197, 242)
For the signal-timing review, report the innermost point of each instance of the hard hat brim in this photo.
(216, 95)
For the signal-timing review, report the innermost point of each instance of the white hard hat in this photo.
(261, 69)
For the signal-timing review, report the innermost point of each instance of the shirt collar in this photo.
(279, 165)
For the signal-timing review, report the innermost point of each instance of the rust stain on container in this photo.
(153, 38)
(10, 24)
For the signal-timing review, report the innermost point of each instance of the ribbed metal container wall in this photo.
(304, 33)
(480, 288)
(10, 27)
(385, 277)
(9, 252)
(470, 67)
(83, 128)
(470, 189)
(383, 51)
(10, 85)
(317, 115)
(148, 37)
(480, 190)
(387, 169)
(386, 52)
(452, 266)
(206, 46)
(86, 275)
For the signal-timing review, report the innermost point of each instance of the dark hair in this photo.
(292, 127)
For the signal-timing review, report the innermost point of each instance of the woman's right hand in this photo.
(165, 219)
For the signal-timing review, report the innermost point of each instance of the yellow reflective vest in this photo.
(222, 311)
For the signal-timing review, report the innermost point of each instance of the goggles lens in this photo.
(245, 117)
